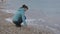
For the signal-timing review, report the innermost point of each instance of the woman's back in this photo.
(18, 14)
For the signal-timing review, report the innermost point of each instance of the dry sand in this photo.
(10, 28)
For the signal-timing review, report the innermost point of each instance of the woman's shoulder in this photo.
(21, 9)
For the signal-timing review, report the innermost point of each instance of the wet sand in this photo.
(10, 28)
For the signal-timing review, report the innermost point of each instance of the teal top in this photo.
(18, 14)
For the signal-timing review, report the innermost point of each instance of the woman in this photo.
(19, 16)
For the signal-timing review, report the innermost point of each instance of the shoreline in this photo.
(9, 28)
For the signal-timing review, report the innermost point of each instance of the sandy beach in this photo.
(10, 28)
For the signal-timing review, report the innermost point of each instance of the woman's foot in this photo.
(18, 25)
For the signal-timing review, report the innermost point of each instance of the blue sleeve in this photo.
(23, 18)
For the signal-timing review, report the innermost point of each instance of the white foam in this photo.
(42, 20)
(28, 20)
(9, 19)
(9, 11)
(56, 24)
(51, 28)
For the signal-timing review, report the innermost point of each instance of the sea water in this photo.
(44, 13)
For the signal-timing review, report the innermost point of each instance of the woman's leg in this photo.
(17, 23)
(20, 20)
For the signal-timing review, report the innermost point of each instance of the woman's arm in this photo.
(23, 18)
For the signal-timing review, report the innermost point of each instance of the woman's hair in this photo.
(24, 6)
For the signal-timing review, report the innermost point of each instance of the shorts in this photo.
(19, 21)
